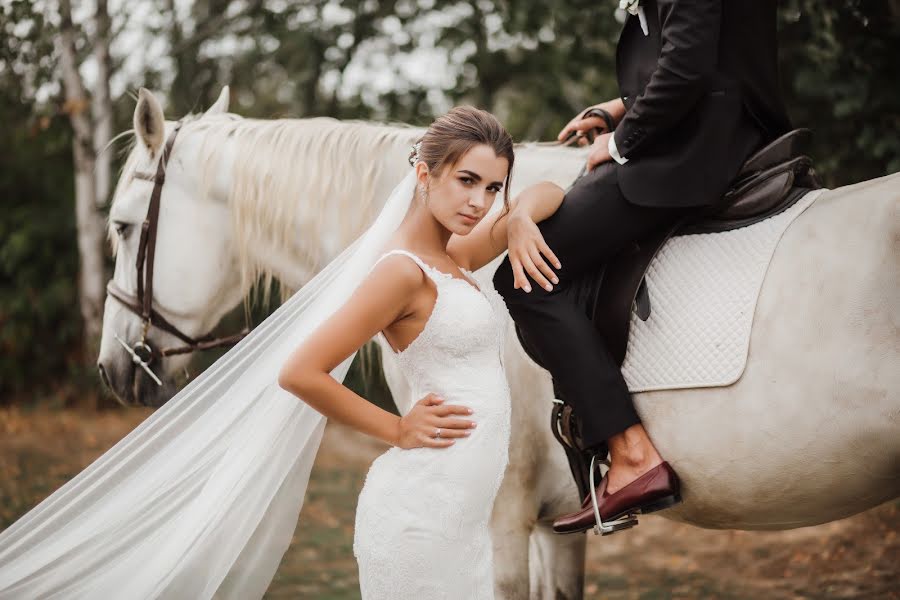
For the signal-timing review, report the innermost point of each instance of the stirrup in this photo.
(601, 528)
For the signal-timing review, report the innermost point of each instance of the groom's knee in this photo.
(503, 278)
(504, 283)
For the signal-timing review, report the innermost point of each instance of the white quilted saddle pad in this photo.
(703, 291)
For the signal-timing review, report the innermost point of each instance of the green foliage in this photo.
(841, 79)
(39, 322)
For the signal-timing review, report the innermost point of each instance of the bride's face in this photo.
(462, 195)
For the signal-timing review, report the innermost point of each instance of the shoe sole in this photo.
(650, 507)
(662, 503)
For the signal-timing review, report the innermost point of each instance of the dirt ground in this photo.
(858, 557)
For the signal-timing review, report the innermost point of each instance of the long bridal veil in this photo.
(202, 498)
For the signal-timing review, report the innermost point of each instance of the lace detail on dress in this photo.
(422, 516)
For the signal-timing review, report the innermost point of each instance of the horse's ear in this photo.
(149, 121)
(220, 105)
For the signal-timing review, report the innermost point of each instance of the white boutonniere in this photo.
(634, 7)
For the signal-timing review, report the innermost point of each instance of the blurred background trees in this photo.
(534, 64)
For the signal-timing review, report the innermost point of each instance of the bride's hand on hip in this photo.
(419, 427)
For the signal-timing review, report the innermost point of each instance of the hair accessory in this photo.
(414, 155)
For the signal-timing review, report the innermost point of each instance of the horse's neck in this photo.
(547, 163)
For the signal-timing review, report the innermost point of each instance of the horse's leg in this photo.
(557, 564)
(529, 559)
(511, 525)
(520, 497)
(557, 561)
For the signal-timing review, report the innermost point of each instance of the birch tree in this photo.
(90, 222)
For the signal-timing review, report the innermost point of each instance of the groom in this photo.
(698, 81)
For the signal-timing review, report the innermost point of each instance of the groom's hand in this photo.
(599, 152)
(580, 127)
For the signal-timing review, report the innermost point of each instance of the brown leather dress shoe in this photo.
(655, 490)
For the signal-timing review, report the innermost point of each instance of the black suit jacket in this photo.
(701, 93)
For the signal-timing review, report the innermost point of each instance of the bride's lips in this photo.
(468, 219)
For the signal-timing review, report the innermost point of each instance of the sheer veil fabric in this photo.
(202, 498)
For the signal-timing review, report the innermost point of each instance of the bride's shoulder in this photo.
(398, 269)
(390, 286)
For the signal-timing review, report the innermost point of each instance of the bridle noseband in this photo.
(141, 305)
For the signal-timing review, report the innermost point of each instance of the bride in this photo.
(422, 516)
(201, 499)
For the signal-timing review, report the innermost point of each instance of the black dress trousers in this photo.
(592, 224)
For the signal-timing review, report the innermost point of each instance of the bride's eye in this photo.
(466, 180)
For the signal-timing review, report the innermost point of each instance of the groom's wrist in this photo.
(616, 109)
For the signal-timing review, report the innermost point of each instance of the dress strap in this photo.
(430, 271)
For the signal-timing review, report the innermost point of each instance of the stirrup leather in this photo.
(601, 528)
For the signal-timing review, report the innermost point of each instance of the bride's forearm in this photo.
(538, 202)
(336, 401)
(535, 203)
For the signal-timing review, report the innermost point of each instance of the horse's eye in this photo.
(121, 229)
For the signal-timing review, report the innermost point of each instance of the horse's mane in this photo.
(270, 196)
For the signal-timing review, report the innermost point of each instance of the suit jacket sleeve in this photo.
(688, 56)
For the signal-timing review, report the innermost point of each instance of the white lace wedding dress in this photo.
(422, 516)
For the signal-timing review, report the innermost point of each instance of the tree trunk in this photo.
(90, 222)
(102, 107)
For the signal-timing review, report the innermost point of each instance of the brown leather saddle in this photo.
(769, 182)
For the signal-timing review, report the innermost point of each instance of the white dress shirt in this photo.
(614, 152)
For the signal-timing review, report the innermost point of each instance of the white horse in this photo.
(808, 434)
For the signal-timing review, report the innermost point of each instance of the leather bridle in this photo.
(141, 305)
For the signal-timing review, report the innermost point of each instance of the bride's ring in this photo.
(438, 434)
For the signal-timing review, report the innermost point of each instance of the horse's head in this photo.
(244, 203)
(194, 279)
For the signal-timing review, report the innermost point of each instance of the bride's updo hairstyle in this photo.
(451, 135)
